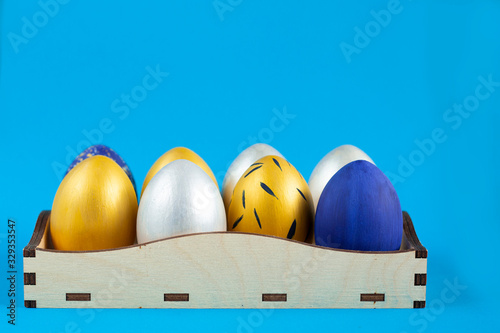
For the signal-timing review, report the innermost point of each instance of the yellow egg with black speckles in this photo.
(173, 154)
(272, 198)
(95, 207)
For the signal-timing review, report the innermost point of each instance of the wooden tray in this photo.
(223, 270)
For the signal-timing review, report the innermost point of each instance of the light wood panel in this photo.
(225, 270)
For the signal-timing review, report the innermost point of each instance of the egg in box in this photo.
(359, 210)
(240, 164)
(330, 164)
(271, 198)
(176, 154)
(104, 151)
(180, 199)
(95, 207)
(179, 196)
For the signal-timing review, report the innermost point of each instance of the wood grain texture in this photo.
(227, 270)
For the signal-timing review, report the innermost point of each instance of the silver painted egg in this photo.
(330, 164)
(180, 199)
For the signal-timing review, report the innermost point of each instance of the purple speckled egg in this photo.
(104, 151)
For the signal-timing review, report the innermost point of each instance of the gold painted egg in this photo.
(272, 198)
(177, 154)
(95, 207)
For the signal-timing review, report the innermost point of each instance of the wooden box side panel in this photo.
(225, 270)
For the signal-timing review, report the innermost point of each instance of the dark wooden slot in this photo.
(372, 297)
(273, 297)
(29, 304)
(41, 223)
(29, 279)
(411, 236)
(420, 254)
(420, 279)
(80, 297)
(176, 297)
(418, 304)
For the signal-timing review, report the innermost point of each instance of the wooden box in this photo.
(223, 270)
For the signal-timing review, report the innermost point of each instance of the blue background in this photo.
(227, 73)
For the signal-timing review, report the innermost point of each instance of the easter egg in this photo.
(176, 154)
(240, 164)
(95, 207)
(104, 151)
(330, 164)
(271, 198)
(359, 210)
(180, 199)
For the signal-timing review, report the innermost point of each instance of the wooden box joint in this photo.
(30, 304)
(273, 297)
(178, 297)
(29, 279)
(420, 279)
(418, 304)
(372, 297)
(79, 297)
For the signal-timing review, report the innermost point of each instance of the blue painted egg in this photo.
(104, 151)
(359, 210)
